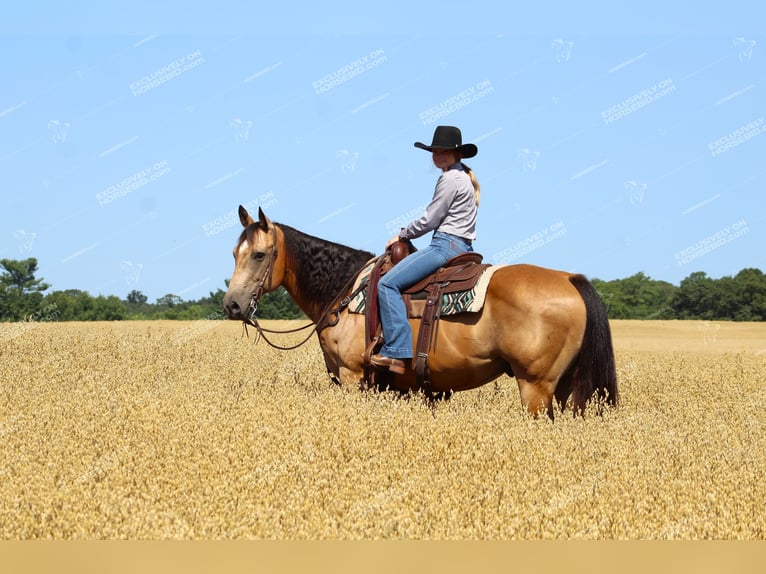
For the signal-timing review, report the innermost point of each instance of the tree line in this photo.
(22, 298)
(738, 298)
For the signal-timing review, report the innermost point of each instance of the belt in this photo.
(463, 239)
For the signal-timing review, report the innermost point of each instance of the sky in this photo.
(612, 139)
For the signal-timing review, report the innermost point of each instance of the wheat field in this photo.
(189, 430)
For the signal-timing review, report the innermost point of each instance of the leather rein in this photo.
(336, 306)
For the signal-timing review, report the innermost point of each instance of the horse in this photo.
(547, 328)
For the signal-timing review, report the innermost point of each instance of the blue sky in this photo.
(611, 140)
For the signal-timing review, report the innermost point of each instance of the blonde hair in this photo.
(474, 181)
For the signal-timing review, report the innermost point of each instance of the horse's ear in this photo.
(263, 221)
(244, 217)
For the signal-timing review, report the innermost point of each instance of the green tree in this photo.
(107, 308)
(696, 297)
(749, 292)
(637, 297)
(172, 307)
(279, 305)
(136, 298)
(169, 300)
(211, 307)
(73, 304)
(65, 303)
(137, 306)
(738, 298)
(20, 291)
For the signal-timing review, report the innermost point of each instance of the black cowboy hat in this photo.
(449, 137)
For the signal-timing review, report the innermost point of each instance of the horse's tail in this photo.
(593, 371)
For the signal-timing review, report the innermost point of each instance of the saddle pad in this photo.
(469, 301)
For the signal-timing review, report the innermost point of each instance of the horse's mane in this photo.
(321, 266)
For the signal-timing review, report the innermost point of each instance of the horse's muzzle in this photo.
(239, 308)
(232, 310)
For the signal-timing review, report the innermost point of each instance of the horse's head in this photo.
(257, 266)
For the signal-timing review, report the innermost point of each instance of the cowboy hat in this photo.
(449, 137)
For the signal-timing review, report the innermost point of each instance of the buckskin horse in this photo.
(546, 328)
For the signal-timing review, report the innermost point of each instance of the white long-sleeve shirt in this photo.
(452, 209)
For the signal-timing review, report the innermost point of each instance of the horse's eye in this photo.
(259, 255)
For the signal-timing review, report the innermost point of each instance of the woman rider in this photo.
(451, 216)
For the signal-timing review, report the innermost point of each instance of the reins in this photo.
(341, 302)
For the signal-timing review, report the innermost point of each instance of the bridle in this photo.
(334, 309)
(268, 275)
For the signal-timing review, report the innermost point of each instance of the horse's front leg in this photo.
(344, 377)
(332, 368)
(343, 348)
(348, 377)
(351, 378)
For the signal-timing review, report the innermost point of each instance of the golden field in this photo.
(188, 430)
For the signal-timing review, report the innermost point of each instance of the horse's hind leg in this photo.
(563, 390)
(536, 396)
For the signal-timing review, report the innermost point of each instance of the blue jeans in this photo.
(393, 314)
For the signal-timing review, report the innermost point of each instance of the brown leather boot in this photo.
(383, 362)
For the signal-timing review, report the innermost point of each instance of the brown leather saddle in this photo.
(423, 299)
